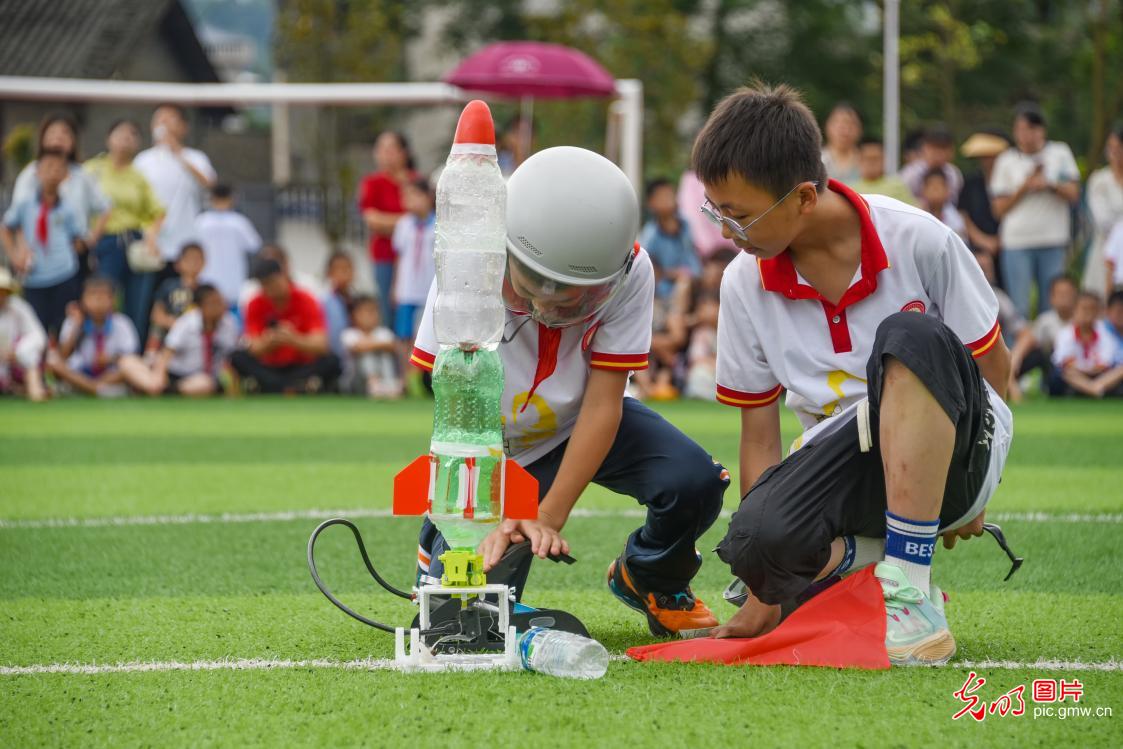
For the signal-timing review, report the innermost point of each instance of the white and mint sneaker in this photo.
(916, 630)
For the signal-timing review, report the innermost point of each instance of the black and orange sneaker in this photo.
(679, 614)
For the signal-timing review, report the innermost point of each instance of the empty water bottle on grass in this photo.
(549, 651)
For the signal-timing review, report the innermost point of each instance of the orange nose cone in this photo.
(475, 125)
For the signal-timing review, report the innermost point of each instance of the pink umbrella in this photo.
(532, 69)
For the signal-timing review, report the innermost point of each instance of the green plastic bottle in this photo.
(468, 444)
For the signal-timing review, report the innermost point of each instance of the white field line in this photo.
(1042, 665)
(193, 518)
(225, 664)
(269, 517)
(381, 664)
(1046, 517)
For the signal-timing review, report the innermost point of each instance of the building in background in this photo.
(145, 40)
(232, 54)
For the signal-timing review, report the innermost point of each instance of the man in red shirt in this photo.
(286, 340)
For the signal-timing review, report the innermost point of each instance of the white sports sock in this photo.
(859, 552)
(867, 551)
(910, 544)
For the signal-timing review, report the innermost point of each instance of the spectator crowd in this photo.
(1020, 210)
(134, 272)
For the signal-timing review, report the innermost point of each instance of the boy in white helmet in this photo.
(579, 294)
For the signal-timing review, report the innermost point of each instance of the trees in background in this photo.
(963, 62)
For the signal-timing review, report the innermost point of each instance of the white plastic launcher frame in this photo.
(419, 657)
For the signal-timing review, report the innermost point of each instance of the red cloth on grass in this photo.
(842, 627)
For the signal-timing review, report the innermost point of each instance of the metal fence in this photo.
(325, 206)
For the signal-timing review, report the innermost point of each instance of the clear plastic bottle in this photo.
(549, 651)
(471, 237)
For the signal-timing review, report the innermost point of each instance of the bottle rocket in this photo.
(471, 237)
(466, 484)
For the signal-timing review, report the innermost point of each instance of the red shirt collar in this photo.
(778, 274)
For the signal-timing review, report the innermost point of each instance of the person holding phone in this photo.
(1034, 186)
(180, 177)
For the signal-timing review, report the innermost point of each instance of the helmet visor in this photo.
(554, 304)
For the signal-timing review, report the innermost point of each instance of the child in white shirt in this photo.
(1084, 354)
(370, 365)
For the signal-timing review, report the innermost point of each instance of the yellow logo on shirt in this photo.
(835, 381)
(539, 429)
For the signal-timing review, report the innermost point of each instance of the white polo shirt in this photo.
(413, 244)
(538, 419)
(1089, 356)
(100, 346)
(776, 333)
(190, 345)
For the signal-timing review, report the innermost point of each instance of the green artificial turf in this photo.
(206, 591)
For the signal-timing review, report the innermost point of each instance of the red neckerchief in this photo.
(549, 340)
(43, 223)
(1088, 347)
(99, 351)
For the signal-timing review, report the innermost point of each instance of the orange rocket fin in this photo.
(521, 499)
(411, 488)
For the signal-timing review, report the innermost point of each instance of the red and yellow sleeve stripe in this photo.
(618, 362)
(741, 399)
(986, 343)
(422, 359)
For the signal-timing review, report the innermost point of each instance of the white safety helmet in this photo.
(572, 220)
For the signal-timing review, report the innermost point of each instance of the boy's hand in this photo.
(974, 528)
(74, 312)
(545, 540)
(753, 619)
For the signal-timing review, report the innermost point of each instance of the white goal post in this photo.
(625, 133)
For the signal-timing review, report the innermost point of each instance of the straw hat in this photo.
(981, 145)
